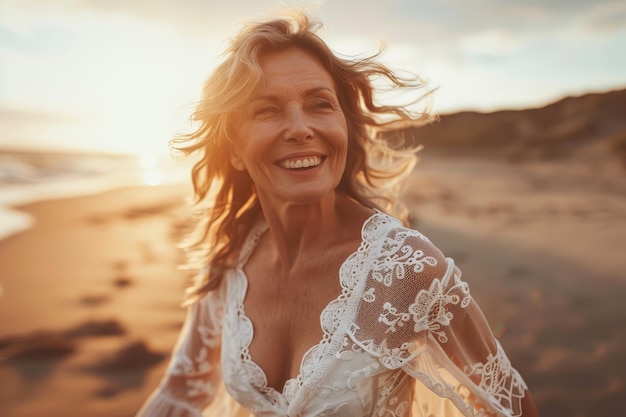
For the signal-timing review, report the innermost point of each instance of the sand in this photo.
(94, 276)
(90, 294)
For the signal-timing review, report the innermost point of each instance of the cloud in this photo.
(34, 116)
(439, 40)
(40, 39)
(194, 16)
(406, 21)
(606, 18)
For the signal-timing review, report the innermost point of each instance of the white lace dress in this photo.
(404, 338)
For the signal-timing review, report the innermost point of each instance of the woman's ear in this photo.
(235, 160)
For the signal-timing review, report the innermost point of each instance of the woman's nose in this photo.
(298, 126)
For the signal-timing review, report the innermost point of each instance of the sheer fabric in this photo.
(404, 338)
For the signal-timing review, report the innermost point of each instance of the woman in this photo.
(315, 302)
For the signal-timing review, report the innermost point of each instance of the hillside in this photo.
(593, 124)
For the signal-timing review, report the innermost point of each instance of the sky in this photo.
(122, 75)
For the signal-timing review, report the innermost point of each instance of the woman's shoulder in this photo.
(405, 282)
(399, 255)
(386, 233)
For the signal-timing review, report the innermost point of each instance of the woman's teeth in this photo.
(310, 162)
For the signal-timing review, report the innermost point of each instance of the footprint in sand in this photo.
(94, 300)
(124, 368)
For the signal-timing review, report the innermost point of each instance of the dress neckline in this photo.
(312, 357)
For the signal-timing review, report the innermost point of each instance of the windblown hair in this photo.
(226, 198)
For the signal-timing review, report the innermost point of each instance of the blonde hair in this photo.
(375, 163)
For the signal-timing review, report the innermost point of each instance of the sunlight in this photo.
(148, 161)
(116, 93)
(151, 174)
(153, 177)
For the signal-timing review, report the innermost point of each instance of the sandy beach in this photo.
(90, 302)
(90, 294)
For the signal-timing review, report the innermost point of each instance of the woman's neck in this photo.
(298, 230)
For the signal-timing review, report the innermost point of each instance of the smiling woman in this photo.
(312, 300)
(293, 120)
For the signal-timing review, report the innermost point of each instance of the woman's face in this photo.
(292, 138)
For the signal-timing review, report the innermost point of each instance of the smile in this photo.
(299, 163)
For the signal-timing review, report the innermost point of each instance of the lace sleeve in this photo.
(417, 314)
(193, 375)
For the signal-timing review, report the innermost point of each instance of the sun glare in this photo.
(121, 91)
(153, 177)
(148, 161)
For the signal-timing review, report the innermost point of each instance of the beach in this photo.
(90, 302)
(91, 291)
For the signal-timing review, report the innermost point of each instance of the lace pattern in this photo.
(499, 380)
(386, 349)
(415, 297)
(319, 356)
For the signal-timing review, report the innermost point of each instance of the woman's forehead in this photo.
(293, 67)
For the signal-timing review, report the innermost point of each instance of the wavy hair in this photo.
(226, 198)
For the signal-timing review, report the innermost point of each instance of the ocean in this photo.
(27, 177)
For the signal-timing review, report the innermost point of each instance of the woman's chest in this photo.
(334, 379)
(282, 332)
(283, 310)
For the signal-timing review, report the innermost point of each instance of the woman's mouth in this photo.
(301, 163)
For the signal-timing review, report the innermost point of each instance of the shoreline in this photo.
(14, 198)
(30, 176)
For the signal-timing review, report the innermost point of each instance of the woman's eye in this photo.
(265, 111)
(322, 104)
